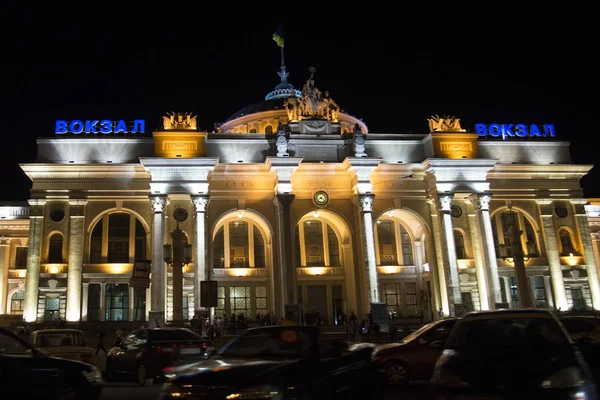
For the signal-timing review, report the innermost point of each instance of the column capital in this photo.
(284, 199)
(481, 201)
(445, 202)
(366, 202)
(158, 203)
(4, 242)
(596, 236)
(200, 203)
(85, 284)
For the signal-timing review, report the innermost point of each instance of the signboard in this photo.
(156, 319)
(292, 313)
(104, 126)
(507, 131)
(140, 276)
(208, 294)
(379, 314)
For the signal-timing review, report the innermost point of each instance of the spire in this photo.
(283, 89)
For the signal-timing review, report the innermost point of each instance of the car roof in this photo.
(58, 331)
(508, 311)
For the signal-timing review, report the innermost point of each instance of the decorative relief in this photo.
(359, 142)
(456, 146)
(320, 271)
(444, 124)
(158, 203)
(200, 203)
(239, 272)
(282, 142)
(188, 145)
(366, 202)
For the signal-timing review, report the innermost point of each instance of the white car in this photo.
(63, 343)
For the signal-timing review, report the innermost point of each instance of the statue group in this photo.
(444, 124)
(313, 104)
(177, 120)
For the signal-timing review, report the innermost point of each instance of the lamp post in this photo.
(518, 259)
(178, 254)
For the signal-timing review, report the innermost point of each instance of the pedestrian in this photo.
(353, 328)
(393, 332)
(118, 336)
(101, 335)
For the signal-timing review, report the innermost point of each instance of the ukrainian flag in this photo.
(278, 38)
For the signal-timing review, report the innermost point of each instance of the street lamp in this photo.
(178, 254)
(514, 253)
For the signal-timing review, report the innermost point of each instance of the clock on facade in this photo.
(561, 211)
(455, 211)
(321, 198)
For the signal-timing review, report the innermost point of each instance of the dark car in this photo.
(278, 362)
(145, 352)
(415, 356)
(26, 373)
(512, 354)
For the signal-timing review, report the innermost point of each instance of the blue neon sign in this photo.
(104, 126)
(515, 130)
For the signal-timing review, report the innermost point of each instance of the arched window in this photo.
(17, 301)
(269, 129)
(238, 244)
(501, 224)
(566, 242)
(253, 130)
(111, 237)
(393, 243)
(317, 244)
(55, 247)
(459, 244)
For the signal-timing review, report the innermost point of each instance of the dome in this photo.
(265, 105)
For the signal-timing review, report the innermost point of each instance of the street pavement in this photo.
(127, 390)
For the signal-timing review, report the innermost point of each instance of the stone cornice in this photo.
(511, 171)
(84, 171)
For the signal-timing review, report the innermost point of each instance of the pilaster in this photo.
(75, 268)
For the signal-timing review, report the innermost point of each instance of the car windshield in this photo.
(59, 339)
(528, 332)
(420, 331)
(278, 343)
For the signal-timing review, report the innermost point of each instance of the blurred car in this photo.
(145, 352)
(277, 362)
(512, 354)
(27, 373)
(415, 356)
(582, 328)
(64, 343)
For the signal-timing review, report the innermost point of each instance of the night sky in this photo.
(496, 63)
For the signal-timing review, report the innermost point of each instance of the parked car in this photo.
(415, 356)
(277, 362)
(517, 353)
(145, 352)
(582, 327)
(27, 373)
(64, 343)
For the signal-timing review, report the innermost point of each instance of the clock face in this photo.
(321, 198)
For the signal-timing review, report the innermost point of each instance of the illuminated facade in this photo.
(293, 200)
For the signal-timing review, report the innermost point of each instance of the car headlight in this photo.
(257, 392)
(564, 378)
(92, 374)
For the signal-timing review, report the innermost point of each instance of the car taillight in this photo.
(163, 349)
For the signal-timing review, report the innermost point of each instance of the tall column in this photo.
(550, 240)
(32, 282)
(480, 266)
(289, 294)
(588, 250)
(200, 203)
(131, 305)
(366, 208)
(4, 265)
(449, 252)
(102, 301)
(84, 301)
(75, 268)
(158, 279)
(489, 250)
(439, 254)
(596, 247)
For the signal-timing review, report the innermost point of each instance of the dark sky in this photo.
(392, 67)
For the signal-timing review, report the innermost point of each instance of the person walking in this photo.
(101, 334)
(118, 336)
